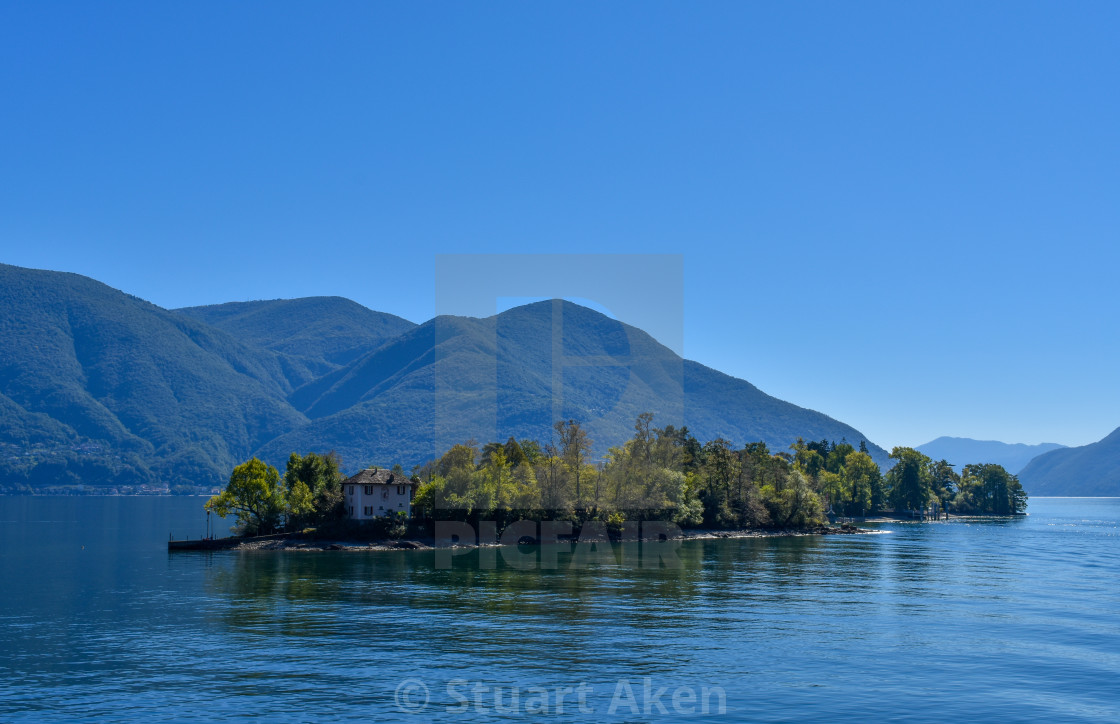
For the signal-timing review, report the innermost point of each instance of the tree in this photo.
(514, 454)
(863, 479)
(255, 495)
(990, 489)
(808, 457)
(943, 480)
(720, 467)
(908, 482)
(574, 447)
(313, 488)
(794, 504)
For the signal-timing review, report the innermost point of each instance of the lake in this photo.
(1015, 619)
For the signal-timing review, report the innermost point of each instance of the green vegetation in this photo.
(382, 407)
(667, 474)
(310, 494)
(313, 336)
(103, 390)
(989, 489)
(98, 388)
(658, 474)
(916, 481)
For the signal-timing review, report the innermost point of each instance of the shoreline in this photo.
(295, 542)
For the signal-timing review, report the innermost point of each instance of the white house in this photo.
(376, 493)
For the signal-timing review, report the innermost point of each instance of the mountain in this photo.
(1090, 470)
(456, 378)
(312, 336)
(100, 387)
(961, 451)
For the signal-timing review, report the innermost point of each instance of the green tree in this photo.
(808, 457)
(943, 480)
(720, 467)
(793, 504)
(863, 478)
(908, 482)
(313, 489)
(836, 490)
(255, 495)
(574, 447)
(990, 489)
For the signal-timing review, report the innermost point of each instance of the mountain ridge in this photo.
(961, 451)
(99, 387)
(1088, 470)
(450, 351)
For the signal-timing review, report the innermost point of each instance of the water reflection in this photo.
(808, 628)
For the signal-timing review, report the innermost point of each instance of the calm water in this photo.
(1011, 619)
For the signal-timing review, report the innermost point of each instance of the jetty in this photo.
(219, 544)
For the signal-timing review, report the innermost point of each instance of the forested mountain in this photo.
(455, 378)
(312, 336)
(101, 388)
(961, 451)
(1090, 470)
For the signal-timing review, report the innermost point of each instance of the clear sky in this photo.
(905, 215)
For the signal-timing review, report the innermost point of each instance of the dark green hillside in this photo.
(100, 388)
(454, 378)
(312, 336)
(97, 382)
(1090, 470)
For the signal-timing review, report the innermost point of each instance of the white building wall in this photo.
(365, 502)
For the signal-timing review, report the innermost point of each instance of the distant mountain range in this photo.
(961, 451)
(1090, 470)
(101, 388)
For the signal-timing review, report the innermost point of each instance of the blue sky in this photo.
(904, 215)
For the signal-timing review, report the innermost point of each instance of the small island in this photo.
(662, 475)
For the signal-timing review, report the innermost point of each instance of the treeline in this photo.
(659, 474)
(667, 474)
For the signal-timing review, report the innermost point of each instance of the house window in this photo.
(351, 511)
(400, 490)
(351, 489)
(368, 510)
(369, 490)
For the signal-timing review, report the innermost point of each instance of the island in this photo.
(661, 474)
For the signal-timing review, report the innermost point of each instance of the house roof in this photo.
(377, 476)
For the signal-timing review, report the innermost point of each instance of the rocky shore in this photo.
(297, 542)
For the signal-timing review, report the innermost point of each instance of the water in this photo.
(1011, 619)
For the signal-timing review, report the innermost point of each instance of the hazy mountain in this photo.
(313, 335)
(961, 451)
(1091, 470)
(455, 378)
(100, 387)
